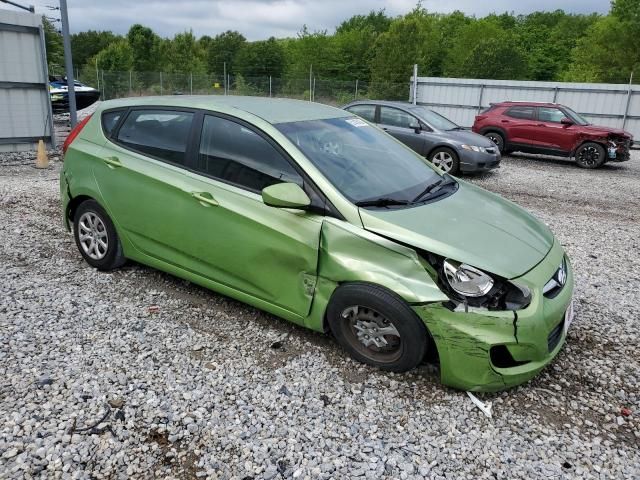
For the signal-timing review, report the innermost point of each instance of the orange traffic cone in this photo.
(42, 160)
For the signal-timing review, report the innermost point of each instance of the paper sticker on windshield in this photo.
(356, 122)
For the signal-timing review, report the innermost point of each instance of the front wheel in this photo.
(96, 237)
(496, 138)
(446, 160)
(590, 155)
(377, 327)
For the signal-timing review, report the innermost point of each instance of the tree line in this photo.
(381, 50)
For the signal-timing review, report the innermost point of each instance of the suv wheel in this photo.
(496, 138)
(590, 155)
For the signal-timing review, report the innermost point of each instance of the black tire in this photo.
(590, 155)
(376, 303)
(444, 152)
(95, 254)
(498, 139)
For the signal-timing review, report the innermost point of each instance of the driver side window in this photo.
(553, 115)
(397, 118)
(235, 154)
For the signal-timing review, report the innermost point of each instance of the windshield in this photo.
(434, 119)
(362, 162)
(577, 118)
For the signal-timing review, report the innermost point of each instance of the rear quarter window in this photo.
(110, 120)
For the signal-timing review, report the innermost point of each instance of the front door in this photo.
(402, 126)
(556, 135)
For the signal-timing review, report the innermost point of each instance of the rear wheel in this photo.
(377, 327)
(96, 237)
(496, 138)
(590, 155)
(446, 160)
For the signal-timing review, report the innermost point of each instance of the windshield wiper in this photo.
(382, 202)
(440, 183)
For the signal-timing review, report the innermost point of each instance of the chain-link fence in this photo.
(333, 92)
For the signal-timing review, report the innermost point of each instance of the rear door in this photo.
(402, 125)
(143, 178)
(519, 123)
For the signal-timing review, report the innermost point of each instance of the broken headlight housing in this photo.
(466, 280)
(470, 286)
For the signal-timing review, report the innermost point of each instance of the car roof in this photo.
(382, 102)
(524, 103)
(272, 110)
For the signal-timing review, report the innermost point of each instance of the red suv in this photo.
(552, 129)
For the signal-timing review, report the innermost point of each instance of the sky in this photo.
(260, 19)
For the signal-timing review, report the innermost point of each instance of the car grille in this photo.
(490, 150)
(555, 336)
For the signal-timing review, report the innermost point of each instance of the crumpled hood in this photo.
(467, 137)
(472, 226)
(600, 129)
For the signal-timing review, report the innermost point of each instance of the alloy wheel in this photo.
(92, 234)
(589, 156)
(372, 334)
(443, 160)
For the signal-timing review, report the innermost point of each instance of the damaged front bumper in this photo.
(482, 350)
(619, 150)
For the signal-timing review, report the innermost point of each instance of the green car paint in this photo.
(289, 261)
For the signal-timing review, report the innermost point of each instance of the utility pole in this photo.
(415, 84)
(68, 63)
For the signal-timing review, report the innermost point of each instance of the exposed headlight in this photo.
(467, 280)
(474, 148)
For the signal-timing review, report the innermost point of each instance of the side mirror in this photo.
(566, 121)
(416, 127)
(285, 195)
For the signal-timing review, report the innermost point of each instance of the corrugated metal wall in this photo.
(461, 99)
(25, 107)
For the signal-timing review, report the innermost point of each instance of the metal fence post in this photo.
(45, 74)
(224, 78)
(310, 81)
(626, 109)
(161, 87)
(191, 83)
(356, 95)
(104, 90)
(313, 90)
(269, 85)
(415, 84)
(130, 86)
(480, 98)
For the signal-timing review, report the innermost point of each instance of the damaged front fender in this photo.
(351, 254)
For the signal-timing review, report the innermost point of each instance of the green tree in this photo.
(117, 57)
(222, 49)
(85, 45)
(259, 59)
(53, 44)
(375, 22)
(145, 45)
(184, 55)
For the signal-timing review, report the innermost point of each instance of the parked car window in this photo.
(110, 120)
(397, 118)
(548, 114)
(233, 153)
(368, 112)
(162, 134)
(527, 113)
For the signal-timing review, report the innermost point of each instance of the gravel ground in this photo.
(136, 374)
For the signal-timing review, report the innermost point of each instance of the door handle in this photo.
(112, 162)
(541, 125)
(505, 121)
(208, 200)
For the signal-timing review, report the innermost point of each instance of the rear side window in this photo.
(110, 120)
(368, 112)
(162, 134)
(527, 113)
(397, 118)
(235, 154)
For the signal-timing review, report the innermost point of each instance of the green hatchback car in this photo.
(317, 216)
